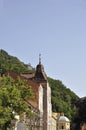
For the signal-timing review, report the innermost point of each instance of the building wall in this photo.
(45, 124)
(49, 108)
(63, 125)
(41, 99)
(53, 124)
(83, 127)
(45, 108)
(41, 105)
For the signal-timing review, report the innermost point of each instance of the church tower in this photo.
(43, 94)
(41, 77)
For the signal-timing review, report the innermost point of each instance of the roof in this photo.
(28, 75)
(40, 74)
(34, 87)
(35, 90)
(63, 118)
(33, 80)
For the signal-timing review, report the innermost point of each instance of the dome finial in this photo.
(39, 58)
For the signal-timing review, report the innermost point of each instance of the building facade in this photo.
(83, 127)
(63, 123)
(40, 106)
(42, 101)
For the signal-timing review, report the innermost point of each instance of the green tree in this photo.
(62, 98)
(80, 117)
(13, 63)
(13, 97)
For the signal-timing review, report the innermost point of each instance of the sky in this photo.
(54, 28)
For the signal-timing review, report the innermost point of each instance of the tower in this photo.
(42, 92)
(41, 77)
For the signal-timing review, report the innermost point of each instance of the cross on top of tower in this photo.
(39, 58)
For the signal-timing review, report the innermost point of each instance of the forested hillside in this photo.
(63, 99)
(13, 63)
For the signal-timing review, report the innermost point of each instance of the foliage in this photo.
(13, 63)
(13, 96)
(80, 118)
(63, 99)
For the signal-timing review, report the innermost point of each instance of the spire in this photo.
(39, 58)
(40, 74)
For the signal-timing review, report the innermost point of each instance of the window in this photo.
(62, 127)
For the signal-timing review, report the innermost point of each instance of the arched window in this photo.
(62, 127)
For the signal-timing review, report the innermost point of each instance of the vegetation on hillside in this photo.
(13, 99)
(13, 63)
(80, 118)
(63, 99)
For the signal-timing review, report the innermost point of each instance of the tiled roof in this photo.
(35, 90)
(33, 80)
(28, 75)
(34, 87)
(40, 73)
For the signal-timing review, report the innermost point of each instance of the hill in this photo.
(63, 99)
(13, 63)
